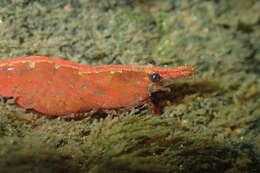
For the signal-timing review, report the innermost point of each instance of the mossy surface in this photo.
(210, 123)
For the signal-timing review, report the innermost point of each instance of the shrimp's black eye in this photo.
(152, 62)
(155, 77)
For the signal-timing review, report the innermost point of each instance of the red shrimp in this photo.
(59, 87)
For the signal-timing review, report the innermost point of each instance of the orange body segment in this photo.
(58, 87)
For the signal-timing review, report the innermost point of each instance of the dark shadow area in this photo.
(37, 163)
(178, 91)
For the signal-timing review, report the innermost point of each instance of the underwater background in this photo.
(209, 123)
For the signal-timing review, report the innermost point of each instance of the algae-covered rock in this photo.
(209, 123)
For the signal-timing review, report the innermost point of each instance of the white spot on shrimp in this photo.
(113, 72)
(31, 64)
(10, 69)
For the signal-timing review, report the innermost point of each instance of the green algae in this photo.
(210, 123)
(127, 143)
